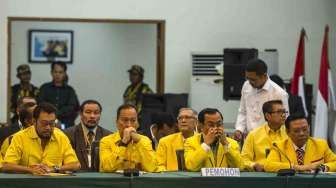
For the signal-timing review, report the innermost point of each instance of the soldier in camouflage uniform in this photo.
(24, 88)
(134, 92)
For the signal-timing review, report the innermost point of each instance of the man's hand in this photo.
(210, 137)
(221, 136)
(308, 167)
(135, 136)
(127, 135)
(258, 167)
(40, 169)
(237, 135)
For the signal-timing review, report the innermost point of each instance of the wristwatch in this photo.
(56, 168)
(323, 168)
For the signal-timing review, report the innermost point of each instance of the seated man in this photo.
(304, 152)
(26, 120)
(166, 151)
(163, 125)
(259, 141)
(42, 148)
(126, 149)
(16, 124)
(82, 135)
(211, 148)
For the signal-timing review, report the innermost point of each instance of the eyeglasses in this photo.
(279, 112)
(46, 123)
(180, 118)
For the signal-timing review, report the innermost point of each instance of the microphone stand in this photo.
(284, 172)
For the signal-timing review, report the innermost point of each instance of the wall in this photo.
(196, 25)
(103, 52)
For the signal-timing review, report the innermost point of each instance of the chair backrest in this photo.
(95, 156)
(180, 160)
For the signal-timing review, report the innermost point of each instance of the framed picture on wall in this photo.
(46, 46)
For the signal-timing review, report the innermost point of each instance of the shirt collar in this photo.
(303, 147)
(269, 130)
(117, 137)
(267, 85)
(86, 130)
(53, 84)
(20, 125)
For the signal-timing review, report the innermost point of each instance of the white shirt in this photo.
(250, 114)
(303, 147)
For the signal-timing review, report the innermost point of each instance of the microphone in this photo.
(284, 172)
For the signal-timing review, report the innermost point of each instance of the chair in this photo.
(95, 156)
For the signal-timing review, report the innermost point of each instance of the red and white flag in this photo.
(297, 85)
(325, 93)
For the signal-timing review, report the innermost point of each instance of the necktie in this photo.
(300, 155)
(90, 137)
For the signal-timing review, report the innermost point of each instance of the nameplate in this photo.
(216, 172)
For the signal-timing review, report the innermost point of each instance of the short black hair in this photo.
(44, 107)
(293, 117)
(201, 115)
(90, 101)
(277, 79)
(268, 106)
(60, 63)
(24, 113)
(124, 106)
(256, 65)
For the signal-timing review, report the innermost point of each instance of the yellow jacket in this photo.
(114, 157)
(166, 152)
(196, 157)
(258, 142)
(317, 150)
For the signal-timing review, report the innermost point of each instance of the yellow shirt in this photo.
(317, 150)
(257, 142)
(25, 149)
(114, 157)
(1, 160)
(5, 143)
(196, 157)
(4, 146)
(166, 152)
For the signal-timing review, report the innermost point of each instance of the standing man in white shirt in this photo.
(257, 90)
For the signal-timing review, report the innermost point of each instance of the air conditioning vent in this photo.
(205, 64)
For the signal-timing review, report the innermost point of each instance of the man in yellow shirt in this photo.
(304, 153)
(211, 148)
(259, 141)
(126, 149)
(169, 145)
(42, 148)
